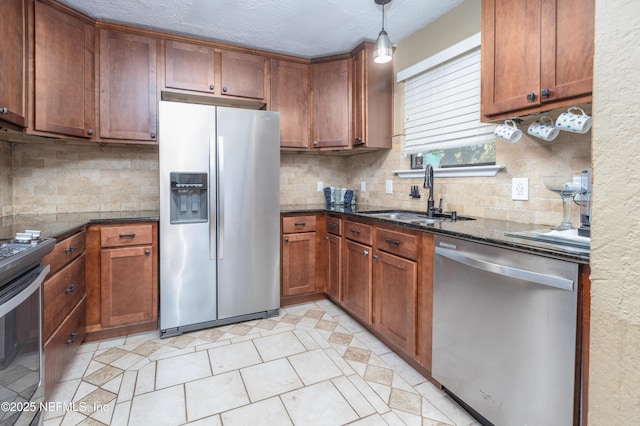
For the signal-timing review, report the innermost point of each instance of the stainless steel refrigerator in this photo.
(219, 216)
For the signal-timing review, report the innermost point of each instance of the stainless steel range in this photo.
(21, 372)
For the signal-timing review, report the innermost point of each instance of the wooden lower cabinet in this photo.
(122, 279)
(356, 280)
(334, 266)
(394, 299)
(298, 263)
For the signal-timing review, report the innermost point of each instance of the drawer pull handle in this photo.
(394, 242)
(355, 231)
(131, 235)
(301, 224)
(72, 339)
(332, 225)
(71, 289)
(70, 249)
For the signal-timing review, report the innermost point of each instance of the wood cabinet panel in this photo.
(13, 62)
(126, 235)
(128, 100)
(293, 224)
(243, 75)
(356, 280)
(358, 232)
(334, 225)
(398, 243)
(189, 67)
(395, 290)
(424, 314)
(333, 277)
(65, 251)
(61, 292)
(331, 104)
(291, 97)
(64, 73)
(61, 346)
(298, 264)
(127, 291)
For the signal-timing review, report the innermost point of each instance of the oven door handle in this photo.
(508, 271)
(25, 293)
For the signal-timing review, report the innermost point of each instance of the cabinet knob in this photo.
(211, 86)
(365, 252)
(326, 238)
(376, 257)
(224, 89)
(147, 252)
(153, 135)
(531, 97)
(71, 288)
(4, 110)
(545, 93)
(90, 132)
(286, 239)
(358, 140)
(315, 143)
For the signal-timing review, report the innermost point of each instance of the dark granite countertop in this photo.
(62, 225)
(487, 231)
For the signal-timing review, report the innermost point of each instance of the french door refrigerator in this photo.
(219, 216)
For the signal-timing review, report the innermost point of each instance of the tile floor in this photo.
(311, 365)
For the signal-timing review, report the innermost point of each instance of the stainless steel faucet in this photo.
(428, 184)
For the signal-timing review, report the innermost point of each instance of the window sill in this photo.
(452, 172)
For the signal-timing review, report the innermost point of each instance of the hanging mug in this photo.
(508, 131)
(544, 129)
(572, 122)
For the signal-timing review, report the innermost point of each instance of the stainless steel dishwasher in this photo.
(504, 332)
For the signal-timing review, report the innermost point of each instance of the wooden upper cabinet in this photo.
(128, 99)
(13, 62)
(290, 96)
(536, 55)
(331, 104)
(243, 75)
(372, 100)
(64, 73)
(189, 67)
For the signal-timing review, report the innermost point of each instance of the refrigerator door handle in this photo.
(220, 198)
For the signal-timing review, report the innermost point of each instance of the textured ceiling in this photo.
(306, 28)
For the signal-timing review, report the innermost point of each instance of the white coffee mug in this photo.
(544, 129)
(572, 122)
(508, 131)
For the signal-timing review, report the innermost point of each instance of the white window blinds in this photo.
(442, 106)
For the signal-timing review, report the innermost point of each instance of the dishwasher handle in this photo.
(507, 271)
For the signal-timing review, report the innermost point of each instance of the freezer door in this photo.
(187, 259)
(248, 146)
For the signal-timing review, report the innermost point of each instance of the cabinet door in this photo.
(13, 64)
(567, 40)
(189, 67)
(510, 55)
(242, 74)
(128, 289)
(290, 97)
(128, 100)
(64, 73)
(356, 280)
(298, 264)
(395, 291)
(359, 99)
(331, 104)
(334, 263)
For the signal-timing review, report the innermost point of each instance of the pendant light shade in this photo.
(383, 51)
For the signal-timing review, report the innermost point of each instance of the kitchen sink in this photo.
(420, 218)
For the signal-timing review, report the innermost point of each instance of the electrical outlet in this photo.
(320, 186)
(520, 189)
(389, 186)
(363, 186)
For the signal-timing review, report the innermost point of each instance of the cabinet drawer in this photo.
(62, 291)
(294, 224)
(398, 243)
(65, 251)
(357, 232)
(334, 225)
(60, 348)
(129, 235)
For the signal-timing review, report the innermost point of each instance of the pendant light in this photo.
(383, 50)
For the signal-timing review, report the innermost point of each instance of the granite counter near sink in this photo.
(488, 231)
(62, 225)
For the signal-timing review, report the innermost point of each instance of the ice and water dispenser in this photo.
(189, 196)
